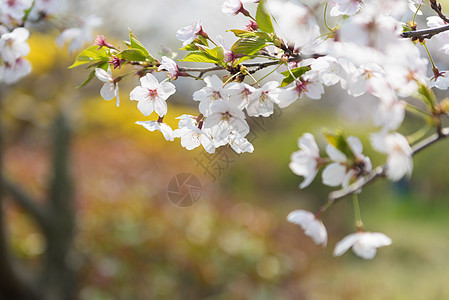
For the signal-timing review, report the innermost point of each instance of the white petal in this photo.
(108, 91)
(165, 90)
(160, 106)
(103, 75)
(346, 243)
(355, 144)
(334, 174)
(335, 154)
(139, 93)
(146, 106)
(149, 82)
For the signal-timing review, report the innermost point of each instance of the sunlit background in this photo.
(131, 242)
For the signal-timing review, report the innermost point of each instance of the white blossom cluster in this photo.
(15, 19)
(364, 54)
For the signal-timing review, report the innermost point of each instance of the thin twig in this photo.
(381, 170)
(437, 8)
(257, 65)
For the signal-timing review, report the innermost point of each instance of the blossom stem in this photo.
(430, 56)
(325, 19)
(414, 137)
(416, 12)
(271, 72)
(357, 215)
(417, 111)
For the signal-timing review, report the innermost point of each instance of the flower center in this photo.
(152, 93)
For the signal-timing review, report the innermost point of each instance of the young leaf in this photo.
(297, 72)
(132, 55)
(263, 18)
(135, 43)
(216, 52)
(242, 33)
(103, 66)
(90, 55)
(198, 56)
(248, 45)
(338, 141)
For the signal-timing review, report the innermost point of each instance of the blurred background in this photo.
(88, 217)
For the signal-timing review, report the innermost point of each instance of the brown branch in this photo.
(381, 170)
(425, 33)
(437, 8)
(257, 65)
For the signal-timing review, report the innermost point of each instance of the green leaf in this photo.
(297, 73)
(263, 18)
(339, 141)
(216, 52)
(426, 95)
(132, 55)
(90, 55)
(136, 44)
(103, 66)
(198, 56)
(248, 45)
(242, 33)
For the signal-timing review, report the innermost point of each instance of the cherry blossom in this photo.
(396, 146)
(345, 7)
(152, 95)
(166, 130)
(192, 135)
(311, 225)
(77, 36)
(441, 81)
(363, 244)
(15, 9)
(189, 33)
(226, 117)
(13, 45)
(263, 100)
(297, 24)
(305, 161)
(109, 89)
(341, 171)
(170, 66)
(212, 92)
(233, 7)
(243, 91)
(12, 72)
(239, 143)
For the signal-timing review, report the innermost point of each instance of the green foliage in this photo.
(248, 45)
(293, 74)
(263, 18)
(427, 95)
(91, 55)
(132, 55)
(199, 56)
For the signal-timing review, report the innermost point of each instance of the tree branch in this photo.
(26, 201)
(258, 65)
(425, 33)
(381, 170)
(437, 8)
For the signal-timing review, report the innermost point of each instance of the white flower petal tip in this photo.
(363, 244)
(312, 226)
